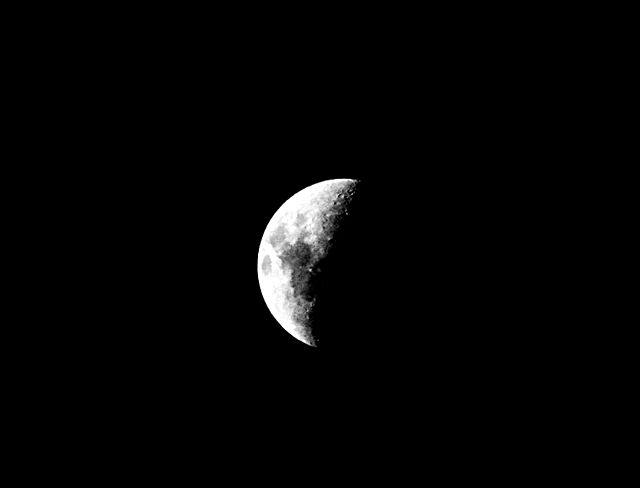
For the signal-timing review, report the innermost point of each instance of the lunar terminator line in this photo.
(297, 239)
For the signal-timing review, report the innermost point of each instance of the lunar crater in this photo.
(266, 265)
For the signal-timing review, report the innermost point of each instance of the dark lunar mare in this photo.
(299, 259)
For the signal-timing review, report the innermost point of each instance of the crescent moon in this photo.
(296, 240)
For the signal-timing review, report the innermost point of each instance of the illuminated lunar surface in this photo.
(296, 241)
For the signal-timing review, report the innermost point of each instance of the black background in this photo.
(178, 158)
(438, 292)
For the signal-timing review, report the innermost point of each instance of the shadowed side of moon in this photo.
(341, 283)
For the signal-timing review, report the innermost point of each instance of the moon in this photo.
(297, 239)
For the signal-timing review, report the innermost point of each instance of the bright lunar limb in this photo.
(297, 238)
